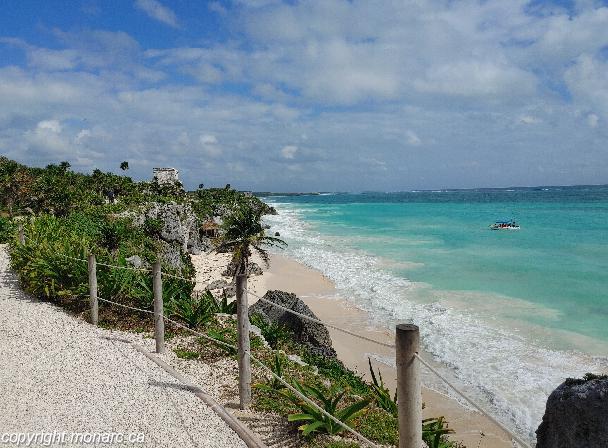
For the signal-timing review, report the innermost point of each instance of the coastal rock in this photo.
(179, 224)
(176, 227)
(252, 269)
(216, 284)
(576, 415)
(309, 333)
(134, 261)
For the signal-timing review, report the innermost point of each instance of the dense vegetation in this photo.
(68, 215)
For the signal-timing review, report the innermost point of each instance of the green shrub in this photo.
(378, 425)
(186, 354)
(8, 230)
(277, 368)
(223, 306)
(273, 333)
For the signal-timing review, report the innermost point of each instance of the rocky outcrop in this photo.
(179, 224)
(312, 334)
(227, 288)
(252, 269)
(177, 229)
(576, 415)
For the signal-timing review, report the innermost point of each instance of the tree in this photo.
(64, 166)
(243, 233)
(124, 165)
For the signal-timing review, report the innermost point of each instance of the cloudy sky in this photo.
(311, 95)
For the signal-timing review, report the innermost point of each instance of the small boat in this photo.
(505, 224)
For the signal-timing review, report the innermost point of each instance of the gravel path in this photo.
(61, 374)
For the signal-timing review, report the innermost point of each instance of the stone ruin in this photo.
(165, 175)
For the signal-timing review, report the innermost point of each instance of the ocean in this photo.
(507, 315)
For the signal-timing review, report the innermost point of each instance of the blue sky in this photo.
(311, 95)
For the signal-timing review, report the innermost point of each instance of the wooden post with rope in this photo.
(409, 398)
(92, 262)
(159, 319)
(242, 311)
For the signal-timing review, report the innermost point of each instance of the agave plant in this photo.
(316, 421)
(221, 307)
(434, 431)
(381, 392)
(277, 368)
(192, 310)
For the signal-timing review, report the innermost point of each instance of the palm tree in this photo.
(124, 165)
(243, 234)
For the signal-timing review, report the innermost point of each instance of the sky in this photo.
(317, 95)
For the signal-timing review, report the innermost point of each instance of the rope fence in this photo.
(260, 363)
(406, 352)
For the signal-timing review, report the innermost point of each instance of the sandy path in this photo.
(61, 374)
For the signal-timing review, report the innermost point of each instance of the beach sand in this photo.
(319, 293)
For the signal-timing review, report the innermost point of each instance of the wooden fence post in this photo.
(242, 311)
(159, 320)
(21, 235)
(409, 399)
(93, 289)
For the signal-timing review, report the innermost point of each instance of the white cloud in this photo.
(289, 152)
(52, 126)
(412, 138)
(593, 120)
(159, 12)
(529, 119)
(210, 145)
(82, 136)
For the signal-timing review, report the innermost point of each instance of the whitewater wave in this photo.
(508, 372)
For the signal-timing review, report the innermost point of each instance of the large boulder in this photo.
(576, 415)
(312, 334)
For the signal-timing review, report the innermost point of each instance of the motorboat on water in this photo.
(505, 224)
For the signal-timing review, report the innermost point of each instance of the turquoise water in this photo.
(540, 292)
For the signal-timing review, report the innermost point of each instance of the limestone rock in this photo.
(134, 261)
(576, 415)
(216, 284)
(252, 269)
(312, 334)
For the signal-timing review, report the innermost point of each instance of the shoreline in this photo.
(319, 293)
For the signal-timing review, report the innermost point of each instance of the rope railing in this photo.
(260, 363)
